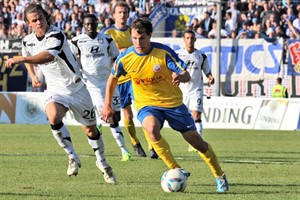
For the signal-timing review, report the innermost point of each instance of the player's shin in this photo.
(118, 135)
(98, 147)
(211, 160)
(130, 127)
(62, 136)
(163, 150)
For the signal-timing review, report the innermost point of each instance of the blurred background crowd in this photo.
(240, 18)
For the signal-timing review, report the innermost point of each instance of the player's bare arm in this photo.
(41, 58)
(211, 79)
(181, 78)
(34, 79)
(107, 110)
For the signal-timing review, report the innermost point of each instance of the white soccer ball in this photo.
(173, 180)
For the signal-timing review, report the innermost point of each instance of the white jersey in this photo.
(196, 64)
(60, 74)
(96, 57)
(193, 90)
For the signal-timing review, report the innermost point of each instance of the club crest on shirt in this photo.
(100, 40)
(157, 68)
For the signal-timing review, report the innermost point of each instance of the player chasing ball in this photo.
(155, 71)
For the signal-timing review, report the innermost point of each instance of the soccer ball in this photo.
(173, 180)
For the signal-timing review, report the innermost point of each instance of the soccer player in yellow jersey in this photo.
(156, 71)
(122, 37)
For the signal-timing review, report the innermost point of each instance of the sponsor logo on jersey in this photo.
(30, 44)
(94, 49)
(148, 81)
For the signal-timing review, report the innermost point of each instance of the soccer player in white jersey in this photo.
(48, 48)
(197, 64)
(96, 53)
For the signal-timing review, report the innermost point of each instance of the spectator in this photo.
(92, 10)
(175, 33)
(274, 22)
(133, 13)
(206, 23)
(251, 11)
(279, 91)
(244, 32)
(293, 33)
(2, 31)
(229, 26)
(71, 7)
(296, 22)
(6, 17)
(213, 11)
(235, 14)
(199, 32)
(265, 13)
(75, 23)
(233, 34)
(100, 6)
(65, 10)
(20, 20)
(100, 22)
(13, 12)
(59, 21)
(108, 22)
(84, 6)
(213, 32)
(280, 33)
(13, 31)
(195, 23)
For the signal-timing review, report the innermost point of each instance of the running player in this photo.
(121, 35)
(96, 53)
(48, 48)
(197, 63)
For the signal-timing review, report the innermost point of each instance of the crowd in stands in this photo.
(250, 19)
(240, 19)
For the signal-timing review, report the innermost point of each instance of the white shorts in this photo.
(98, 97)
(194, 102)
(79, 103)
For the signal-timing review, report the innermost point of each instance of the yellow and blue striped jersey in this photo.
(122, 39)
(151, 75)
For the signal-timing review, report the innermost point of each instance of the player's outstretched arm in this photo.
(41, 58)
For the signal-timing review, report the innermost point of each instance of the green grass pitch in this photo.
(259, 165)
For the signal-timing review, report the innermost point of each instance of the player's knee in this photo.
(128, 113)
(115, 119)
(91, 131)
(198, 120)
(56, 126)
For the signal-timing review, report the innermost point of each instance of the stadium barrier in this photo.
(219, 112)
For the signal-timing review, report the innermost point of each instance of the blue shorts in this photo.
(179, 118)
(126, 94)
